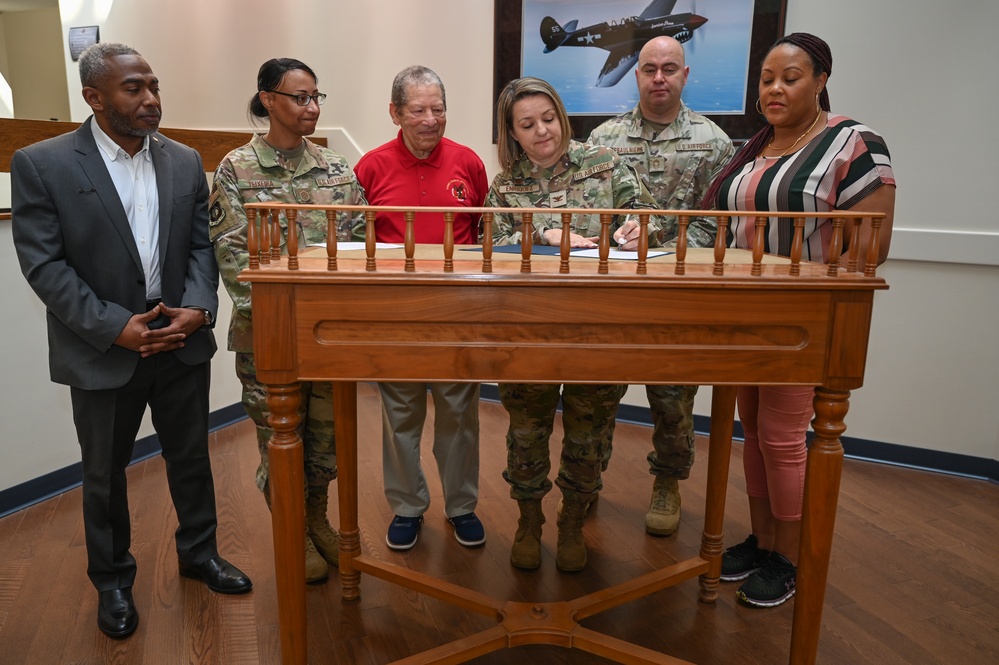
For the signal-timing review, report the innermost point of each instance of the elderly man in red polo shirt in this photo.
(422, 168)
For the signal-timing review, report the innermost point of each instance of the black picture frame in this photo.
(80, 38)
(768, 27)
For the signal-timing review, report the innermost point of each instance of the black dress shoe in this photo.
(218, 575)
(116, 613)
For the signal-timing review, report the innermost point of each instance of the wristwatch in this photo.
(209, 319)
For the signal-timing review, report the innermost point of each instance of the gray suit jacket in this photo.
(77, 252)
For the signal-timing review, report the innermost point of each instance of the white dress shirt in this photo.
(135, 180)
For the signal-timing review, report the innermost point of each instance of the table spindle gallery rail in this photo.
(486, 313)
(268, 239)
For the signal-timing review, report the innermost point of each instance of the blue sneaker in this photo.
(468, 530)
(403, 532)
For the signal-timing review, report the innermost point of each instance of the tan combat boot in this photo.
(526, 550)
(593, 500)
(571, 553)
(663, 517)
(316, 569)
(317, 525)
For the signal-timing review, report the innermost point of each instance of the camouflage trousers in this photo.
(315, 427)
(672, 410)
(588, 413)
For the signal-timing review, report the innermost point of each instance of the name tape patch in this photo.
(333, 182)
(519, 189)
(586, 173)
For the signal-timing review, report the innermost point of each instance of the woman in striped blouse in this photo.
(806, 159)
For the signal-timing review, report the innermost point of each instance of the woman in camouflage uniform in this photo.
(543, 167)
(283, 166)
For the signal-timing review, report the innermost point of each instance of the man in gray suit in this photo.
(110, 223)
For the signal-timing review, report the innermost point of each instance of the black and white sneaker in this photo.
(772, 584)
(742, 560)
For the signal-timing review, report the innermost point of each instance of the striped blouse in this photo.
(835, 170)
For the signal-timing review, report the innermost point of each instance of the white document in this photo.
(342, 246)
(616, 254)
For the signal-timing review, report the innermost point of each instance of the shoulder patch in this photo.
(593, 170)
(216, 214)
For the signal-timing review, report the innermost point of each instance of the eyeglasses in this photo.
(302, 100)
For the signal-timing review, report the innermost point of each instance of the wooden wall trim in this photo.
(212, 145)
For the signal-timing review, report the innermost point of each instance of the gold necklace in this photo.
(770, 146)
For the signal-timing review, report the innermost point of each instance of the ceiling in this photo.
(21, 5)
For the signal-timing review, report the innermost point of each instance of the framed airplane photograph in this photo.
(588, 50)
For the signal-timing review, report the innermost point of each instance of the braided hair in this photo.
(821, 58)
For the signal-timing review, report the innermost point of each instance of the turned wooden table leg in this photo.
(287, 480)
(345, 420)
(719, 456)
(822, 476)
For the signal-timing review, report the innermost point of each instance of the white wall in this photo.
(896, 68)
(3, 46)
(6, 106)
(933, 371)
(356, 48)
(35, 55)
(933, 366)
(31, 59)
(38, 434)
(6, 94)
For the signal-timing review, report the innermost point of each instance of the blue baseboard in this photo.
(51, 484)
(54, 483)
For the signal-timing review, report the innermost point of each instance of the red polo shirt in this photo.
(452, 175)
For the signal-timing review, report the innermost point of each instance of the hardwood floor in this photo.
(914, 578)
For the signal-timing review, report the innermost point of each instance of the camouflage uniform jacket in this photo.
(593, 178)
(677, 164)
(256, 173)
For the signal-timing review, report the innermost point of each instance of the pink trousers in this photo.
(774, 419)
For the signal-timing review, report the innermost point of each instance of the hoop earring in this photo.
(759, 109)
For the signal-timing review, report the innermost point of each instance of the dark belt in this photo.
(150, 304)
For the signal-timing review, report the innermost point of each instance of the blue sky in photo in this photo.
(718, 55)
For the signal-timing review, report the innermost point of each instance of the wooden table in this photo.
(729, 318)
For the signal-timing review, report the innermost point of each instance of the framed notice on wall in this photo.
(81, 38)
